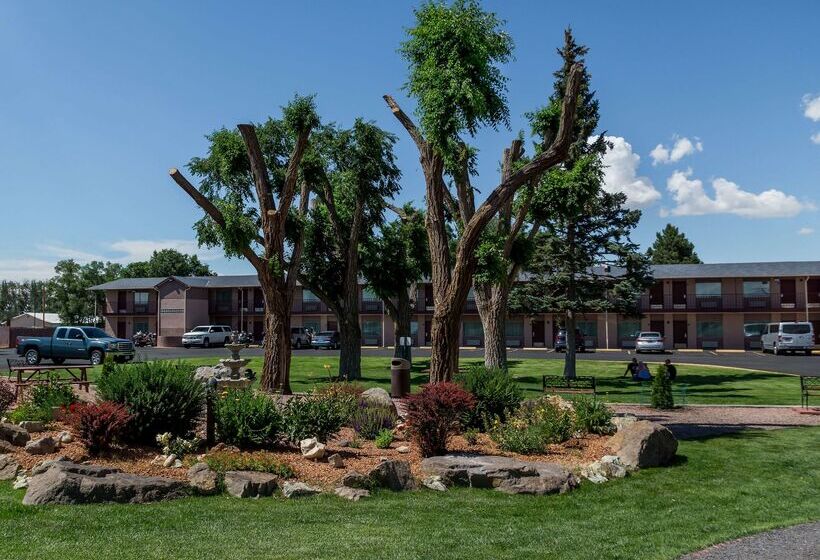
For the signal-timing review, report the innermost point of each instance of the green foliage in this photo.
(592, 416)
(7, 396)
(28, 411)
(661, 393)
(454, 55)
(370, 419)
(496, 395)
(471, 436)
(672, 247)
(167, 262)
(179, 446)
(71, 295)
(161, 396)
(536, 424)
(40, 401)
(316, 416)
(383, 439)
(246, 418)
(222, 462)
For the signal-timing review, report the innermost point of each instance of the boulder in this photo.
(378, 396)
(606, 468)
(32, 426)
(21, 482)
(353, 479)
(621, 422)
(502, 473)
(169, 461)
(6, 447)
(63, 482)
(434, 483)
(352, 494)
(13, 434)
(298, 489)
(65, 437)
(403, 449)
(205, 373)
(393, 474)
(336, 461)
(312, 449)
(42, 446)
(203, 480)
(8, 467)
(644, 444)
(249, 484)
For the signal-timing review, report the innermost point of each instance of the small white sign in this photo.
(405, 341)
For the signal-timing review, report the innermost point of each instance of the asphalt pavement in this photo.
(797, 365)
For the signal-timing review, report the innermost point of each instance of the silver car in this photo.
(649, 341)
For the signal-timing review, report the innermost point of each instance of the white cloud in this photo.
(692, 200)
(805, 231)
(141, 249)
(63, 252)
(621, 174)
(681, 148)
(811, 107)
(26, 269)
(815, 137)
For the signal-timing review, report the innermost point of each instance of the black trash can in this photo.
(399, 378)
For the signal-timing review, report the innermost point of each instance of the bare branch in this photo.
(407, 123)
(397, 210)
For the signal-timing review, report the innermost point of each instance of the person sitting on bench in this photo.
(631, 368)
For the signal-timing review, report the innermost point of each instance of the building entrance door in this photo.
(538, 333)
(120, 329)
(788, 293)
(679, 294)
(679, 336)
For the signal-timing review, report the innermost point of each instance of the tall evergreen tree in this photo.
(672, 247)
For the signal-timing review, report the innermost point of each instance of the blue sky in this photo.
(99, 99)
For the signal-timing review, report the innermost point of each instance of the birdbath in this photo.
(235, 363)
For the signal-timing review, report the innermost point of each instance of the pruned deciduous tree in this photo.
(255, 206)
(454, 53)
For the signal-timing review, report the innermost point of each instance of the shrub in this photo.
(532, 427)
(7, 396)
(434, 414)
(496, 394)
(384, 439)
(340, 389)
(662, 389)
(28, 411)
(52, 395)
(223, 462)
(592, 416)
(98, 426)
(370, 419)
(471, 436)
(174, 445)
(316, 415)
(246, 418)
(161, 396)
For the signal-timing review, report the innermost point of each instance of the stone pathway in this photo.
(801, 542)
(702, 421)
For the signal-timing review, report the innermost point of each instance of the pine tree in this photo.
(672, 247)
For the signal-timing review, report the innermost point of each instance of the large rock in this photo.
(393, 474)
(8, 467)
(502, 473)
(205, 373)
(604, 469)
(298, 489)
(352, 494)
(203, 480)
(32, 426)
(312, 449)
(63, 482)
(378, 396)
(644, 444)
(353, 479)
(13, 434)
(6, 447)
(42, 446)
(249, 484)
(621, 422)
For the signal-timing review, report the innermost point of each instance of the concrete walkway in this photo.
(801, 542)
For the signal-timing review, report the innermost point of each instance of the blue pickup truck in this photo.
(75, 343)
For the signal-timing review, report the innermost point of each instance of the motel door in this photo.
(657, 326)
(679, 294)
(538, 332)
(656, 296)
(679, 332)
(121, 329)
(788, 293)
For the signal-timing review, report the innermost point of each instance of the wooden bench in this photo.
(26, 375)
(808, 386)
(581, 385)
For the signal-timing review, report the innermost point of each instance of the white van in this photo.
(788, 337)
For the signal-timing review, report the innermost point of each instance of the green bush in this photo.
(223, 462)
(470, 436)
(536, 424)
(316, 415)
(369, 419)
(496, 394)
(28, 411)
(592, 416)
(52, 395)
(161, 396)
(246, 418)
(384, 439)
(662, 390)
(175, 445)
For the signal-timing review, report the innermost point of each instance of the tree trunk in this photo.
(401, 324)
(445, 335)
(350, 355)
(492, 308)
(569, 358)
(276, 362)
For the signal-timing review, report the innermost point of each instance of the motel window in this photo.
(514, 329)
(307, 295)
(369, 295)
(312, 324)
(223, 296)
(588, 328)
(755, 287)
(371, 329)
(628, 330)
(472, 329)
(707, 289)
(471, 295)
(141, 326)
(414, 329)
(710, 329)
(141, 299)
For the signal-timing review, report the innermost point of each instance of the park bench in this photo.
(582, 385)
(808, 386)
(25, 375)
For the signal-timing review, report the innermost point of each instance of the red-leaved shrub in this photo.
(99, 425)
(435, 414)
(7, 396)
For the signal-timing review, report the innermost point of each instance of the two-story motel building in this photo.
(693, 306)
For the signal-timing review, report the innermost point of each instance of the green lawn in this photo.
(720, 489)
(704, 384)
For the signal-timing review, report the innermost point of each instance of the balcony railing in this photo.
(370, 306)
(149, 309)
(722, 302)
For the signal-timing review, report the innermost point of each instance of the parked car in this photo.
(561, 341)
(300, 337)
(649, 341)
(326, 339)
(788, 337)
(77, 343)
(207, 336)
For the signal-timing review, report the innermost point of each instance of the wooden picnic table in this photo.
(27, 375)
